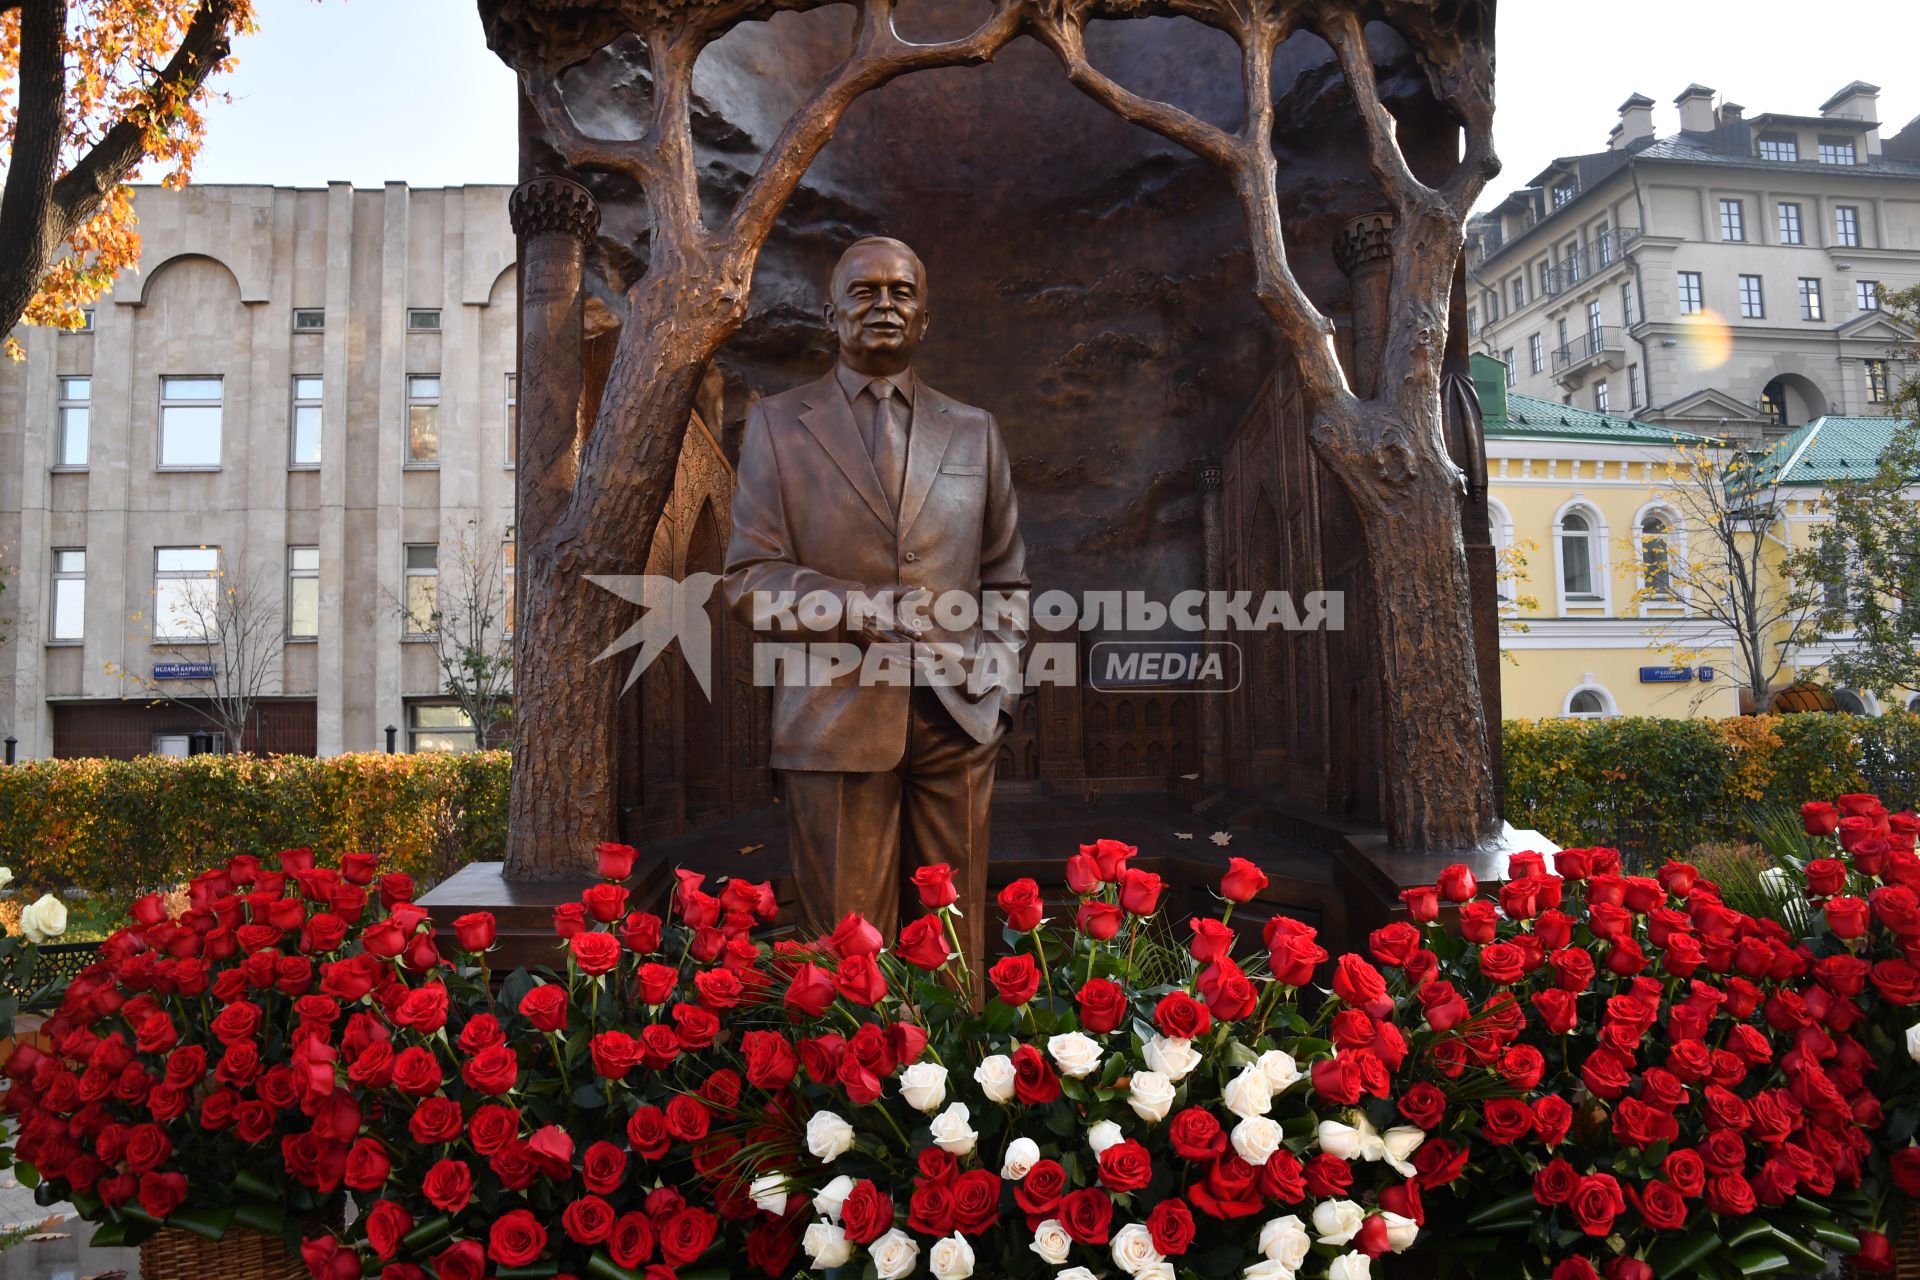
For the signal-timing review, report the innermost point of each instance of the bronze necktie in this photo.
(889, 440)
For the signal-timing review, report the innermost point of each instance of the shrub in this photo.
(1646, 785)
(119, 827)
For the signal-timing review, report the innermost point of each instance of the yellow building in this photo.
(1592, 515)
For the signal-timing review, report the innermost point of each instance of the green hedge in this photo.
(121, 827)
(1660, 787)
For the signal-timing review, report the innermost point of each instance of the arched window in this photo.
(1589, 702)
(1853, 703)
(1913, 703)
(1656, 566)
(1500, 525)
(1578, 535)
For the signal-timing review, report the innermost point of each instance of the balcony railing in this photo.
(1596, 344)
(1599, 254)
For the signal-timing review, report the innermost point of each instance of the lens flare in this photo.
(1706, 341)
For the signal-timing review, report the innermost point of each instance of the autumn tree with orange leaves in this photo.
(89, 91)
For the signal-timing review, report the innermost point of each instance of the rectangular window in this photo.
(1536, 353)
(1691, 293)
(309, 319)
(304, 447)
(1733, 222)
(1777, 146)
(1846, 226)
(1753, 303)
(1473, 322)
(423, 320)
(1572, 259)
(86, 322)
(432, 727)
(1837, 151)
(1561, 329)
(513, 419)
(190, 422)
(1546, 278)
(1810, 308)
(423, 589)
(1876, 381)
(1790, 224)
(186, 592)
(1866, 294)
(1626, 304)
(1633, 386)
(1600, 397)
(67, 620)
(1593, 327)
(1603, 244)
(1519, 292)
(303, 593)
(1507, 356)
(423, 420)
(1563, 193)
(75, 412)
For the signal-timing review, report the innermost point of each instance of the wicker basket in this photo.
(173, 1254)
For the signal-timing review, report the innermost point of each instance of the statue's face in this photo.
(879, 308)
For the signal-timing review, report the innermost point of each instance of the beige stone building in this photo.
(1722, 279)
(306, 391)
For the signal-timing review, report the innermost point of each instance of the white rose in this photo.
(1151, 1096)
(829, 1198)
(1401, 1231)
(1022, 1155)
(996, 1077)
(1248, 1094)
(6, 876)
(770, 1193)
(1338, 1221)
(1076, 1273)
(828, 1136)
(1267, 1269)
(827, 1246)
(44, 920)
(1133, 1248)
(1051, 1242)
(895, 1255)
(1285, 1241)
(1174, 1059)
(1281, 1071)
(1341, 1140)
(1077, 1055)
(1256, 1138)
(952, 1258)
(1350, 1266)
(1103, 1135)
(952, 1133)
(1161, 1270)
(1913, 1040)
(1400, 1143)
(924, 1086)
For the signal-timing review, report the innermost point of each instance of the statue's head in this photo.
(879, 305)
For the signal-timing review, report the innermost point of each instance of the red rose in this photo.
(1015, 978)
(1231, 1189)
(1359, 984)
(1574, 1269)
(1180, 1017)
(1686, 1171)
(516, 1239)
(326, 1260)
(1730, 1194)
(465, 1260)
(1034, 1082)
(935, 885)
(1423, 903)
(1439, 1162)
(923, 944)
(1171, 1222)
(1444, 1007)
(771, 1060)
(1039, 1192)
(546, 1008)
(686, 1236)
(1897, 981)
(1552, 1117)
(367, 1165)
(614, 1054)
(1196, 1135)
(1424, 1105)
(615, 860)
(976, 1202)
(1502, 962)
(1662, 1205)
(1457, 883)
(162, 1193)
(448, 1186)
(1505, 1120)
(640, 933)
(595, 953)
(1103, 1006)
(631, 1241)
(855, 937)
(588, 1220)
(387, 1223)
(810, 992)
(1479, 921)
(1140, 891)
(1110, 856)
(474, 931)
(647, 1132)
(1125, 1166)
(492, 1070)
(1392, 944)
(605, 902)
(1086, 1215)
(1596, 1202)
(867, 1213)
(1875, 1255)
(1293, 958)
(1023, 905)
(1819, 818)
(859, 979)
(1241, 883)
(1228, 991)
(1847, 916)
(1100, 920)
(602, 1167)
(1555, 1183)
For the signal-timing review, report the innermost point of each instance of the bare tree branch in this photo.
(1342, 28)
(634, 159)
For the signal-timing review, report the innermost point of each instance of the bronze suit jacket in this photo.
(809, 515)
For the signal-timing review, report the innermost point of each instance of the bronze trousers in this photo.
(857, 837)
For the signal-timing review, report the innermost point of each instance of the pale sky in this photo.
(374, 90)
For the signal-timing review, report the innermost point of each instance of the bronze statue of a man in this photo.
(869, 484)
